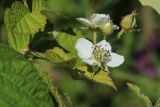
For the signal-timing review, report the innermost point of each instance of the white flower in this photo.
(96, 20)
(98, 54)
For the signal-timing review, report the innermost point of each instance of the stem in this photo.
(47, 78)
(92, 75)
(104, 37)
(38, 55)
(94, 37)
(120, 33)
(55, 92)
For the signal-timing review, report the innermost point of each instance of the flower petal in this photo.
(99, 19)
(106, 45)
(89, 61)
(116, 27)
(86, 22)
(84, 48)
(116, 60)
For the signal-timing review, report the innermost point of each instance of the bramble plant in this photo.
(30, 77)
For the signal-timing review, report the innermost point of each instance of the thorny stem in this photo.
(51, 86)
(55, 92)
(94, 37)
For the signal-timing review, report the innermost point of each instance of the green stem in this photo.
(55, 92)
(93, 74)
(104, 37)
(47, 78)
(38, 55)
(120, 33)
(94, 37)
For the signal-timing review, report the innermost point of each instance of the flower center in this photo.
(100, 54)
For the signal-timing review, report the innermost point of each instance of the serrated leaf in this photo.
(101, 77)
(56, 55)
(9, 54)
(38, 5)
(67, 41)
(11, 18)
(153, 3)
(59, 57)
(141, 96)
(20, 83)
(31, 23)
(20, 24)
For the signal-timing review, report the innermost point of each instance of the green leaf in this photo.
(141, 96)
(67, 41)
(31, 23)
(12, 16)
(38, 5)
(56, 55)
(20, 83)
(101, 77)
(20, 24)
(9, 54)
(153, 3)
(59, 57)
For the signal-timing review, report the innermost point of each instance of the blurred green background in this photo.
(140, 48)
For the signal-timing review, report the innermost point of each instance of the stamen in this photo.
(100, 54)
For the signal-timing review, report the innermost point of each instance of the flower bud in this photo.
(128, 21)
(108, 28)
